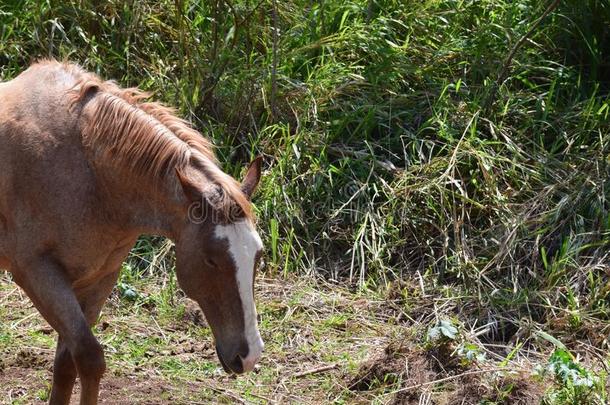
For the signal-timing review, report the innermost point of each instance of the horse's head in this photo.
(217, 256)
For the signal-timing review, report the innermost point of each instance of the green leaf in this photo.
(551, 339)
(448, 330)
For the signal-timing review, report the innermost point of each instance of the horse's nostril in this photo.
(234, 364)
(249, 362)
(225, 366)
(237, 365)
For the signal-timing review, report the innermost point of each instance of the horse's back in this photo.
(35, 120)
(44, 176)
(39, 93)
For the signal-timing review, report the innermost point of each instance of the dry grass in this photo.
(324, 344)
(315, 336)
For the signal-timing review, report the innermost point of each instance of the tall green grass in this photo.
(383, 160)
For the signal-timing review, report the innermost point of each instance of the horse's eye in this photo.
(210, 263)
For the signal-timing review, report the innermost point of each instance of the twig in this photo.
(346, 151)
(315, 370)
(274, 62)
(233, 395)
(25, 318)
(509, 59)
(524, 38)
(224, 391)
(159, 328)
(442, 380)
(7, 296)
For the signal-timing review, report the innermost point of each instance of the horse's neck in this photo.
(144, 205)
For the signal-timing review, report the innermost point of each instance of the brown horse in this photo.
(85, 168)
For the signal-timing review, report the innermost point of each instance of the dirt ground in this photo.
(27, 384)
(324, 344)
(161, 352)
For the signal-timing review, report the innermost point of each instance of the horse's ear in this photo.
(191, 191)
(253, 177)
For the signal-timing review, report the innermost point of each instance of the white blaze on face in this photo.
(244, 243)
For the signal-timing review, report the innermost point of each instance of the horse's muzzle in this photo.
(234, 366)
(240, 363)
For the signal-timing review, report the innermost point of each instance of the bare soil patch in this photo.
(23, 384)
(410, 373)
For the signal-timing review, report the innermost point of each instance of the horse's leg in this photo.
(44, 282)
(91, 300)
(64, 375)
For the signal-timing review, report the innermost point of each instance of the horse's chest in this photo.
(96, 258)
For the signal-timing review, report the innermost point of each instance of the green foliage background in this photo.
(386, 155)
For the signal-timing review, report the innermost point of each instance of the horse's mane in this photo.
(148, 137)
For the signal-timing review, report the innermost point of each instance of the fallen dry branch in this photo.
(450, 378)
(315, 370)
